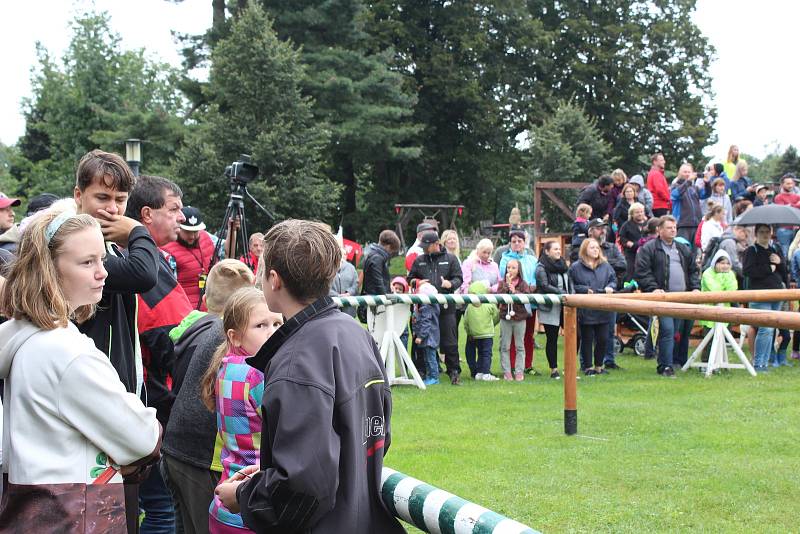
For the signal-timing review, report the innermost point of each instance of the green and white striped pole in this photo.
(439, 512)
(404, 298)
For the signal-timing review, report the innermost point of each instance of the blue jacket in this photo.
(686, 206)
(739, 189)
(426, 325)
(583, 279)
(528, 262)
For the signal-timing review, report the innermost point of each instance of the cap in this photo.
(40, 202)
(425, 226)
(760, 187)
(6, 202)
(194, 220)
(428, 238)
(595, 223)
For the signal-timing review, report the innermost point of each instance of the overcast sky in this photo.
(755, 75)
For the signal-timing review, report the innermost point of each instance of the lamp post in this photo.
(133, 154)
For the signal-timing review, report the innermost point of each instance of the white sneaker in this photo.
(489, 378)
(479, 376)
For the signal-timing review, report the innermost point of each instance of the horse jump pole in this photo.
(713, 297)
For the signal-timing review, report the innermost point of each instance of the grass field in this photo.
(652, 454)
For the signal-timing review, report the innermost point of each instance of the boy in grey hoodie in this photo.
(644, 196)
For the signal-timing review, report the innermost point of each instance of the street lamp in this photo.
(133, 154)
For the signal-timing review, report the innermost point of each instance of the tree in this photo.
(255, 106)
(788, 162)
(95, 97)
(567, 147)
(355, 94)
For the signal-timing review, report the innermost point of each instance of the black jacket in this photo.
(191, 432)
(327, 425)
(757, 270)
(652, 267)
(434, 267)
(547, 280)
(583, 279)
(598, 201)
(113, 326)
(376, 271)
(621, 211)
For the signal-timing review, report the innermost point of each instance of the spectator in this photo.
(256, 247)
(741, 207)
(718, 277)
(765, 268)
(716, 194)
(191, 465)
(513, 319)
(156, 203)
(597, 196)
(629, 236)
(794, 253)
(442, 270)
(734, 241)
(620, 179)
(345, 284)
(787, 197)
(502, 249)
(323, 374)
(713, 226)
(479, 267)
(400, 287)
(235, 390)
(552, 278)
(427, 336)
(665, 265)
(416, 249)
(657, 185)
(376, 263)
(732, 162)
(762, 198)
(192, 252)
(103, 182)
(685, 198)
(626, 199)
(451, 244)
(480, 321)
(527, 259)
(592, 274)
(6, 213)
(10, 237)
(74, 431)
(742, 187)
(580, 228)
(644, 196)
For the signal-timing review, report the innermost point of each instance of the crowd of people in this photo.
(150, 385)
(640, 233)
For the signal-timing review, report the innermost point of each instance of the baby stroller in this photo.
(631, 333)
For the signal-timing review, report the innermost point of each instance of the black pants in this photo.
(448, 339)
(660, 212)
(593, 336)
(192, 491)
(551, 348)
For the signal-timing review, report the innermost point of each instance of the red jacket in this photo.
(658, 186)
(788, 199)
(253, 261)
(191, 263)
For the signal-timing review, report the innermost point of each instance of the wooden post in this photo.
(570, 371)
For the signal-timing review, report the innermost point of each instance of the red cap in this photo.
(6, 202)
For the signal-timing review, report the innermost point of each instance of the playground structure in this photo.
(430, 212)
(437, 511)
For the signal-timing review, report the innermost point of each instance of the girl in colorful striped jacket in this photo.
(234, 389)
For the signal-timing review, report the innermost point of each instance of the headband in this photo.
(55, 224)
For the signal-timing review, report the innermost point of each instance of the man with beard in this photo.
(192, 253)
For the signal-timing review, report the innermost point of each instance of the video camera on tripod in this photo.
(234, 225)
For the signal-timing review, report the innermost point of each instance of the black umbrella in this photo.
(772, 214)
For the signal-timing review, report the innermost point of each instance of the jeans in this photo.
(509, 330)
(785, 237)
(156, 502)
(610, 348)
(764, 337)
(431, 362)
(670, 352)
(593, 336)
(483, 364)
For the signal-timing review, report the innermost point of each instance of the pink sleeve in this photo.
(466, 277)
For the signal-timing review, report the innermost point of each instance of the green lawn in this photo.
(652, 454)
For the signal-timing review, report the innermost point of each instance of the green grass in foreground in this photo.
(652, 454)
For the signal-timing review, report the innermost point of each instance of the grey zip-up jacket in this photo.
(326, 427)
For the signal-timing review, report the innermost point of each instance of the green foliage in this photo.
(255, 106)
(567, 147)
(358, 97)
(95, 97)
(788, 162)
